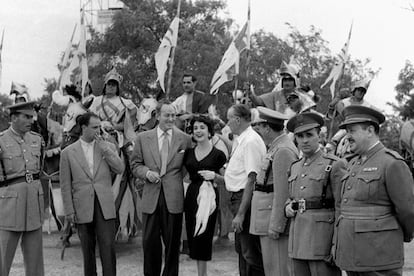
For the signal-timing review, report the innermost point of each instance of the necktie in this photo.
(164, 153)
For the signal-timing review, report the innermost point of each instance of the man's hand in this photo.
(153, 177)
(290, 213)
(70, 218)
(274, 235)
(237, 223)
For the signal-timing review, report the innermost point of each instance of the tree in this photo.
(405, 98)
(4, 114)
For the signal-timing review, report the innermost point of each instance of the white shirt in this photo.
(180, 104)
(160, 135)
(248, 152)
(88, 151)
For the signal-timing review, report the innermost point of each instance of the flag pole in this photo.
(170, 70)
(248, 44)
(1, 48)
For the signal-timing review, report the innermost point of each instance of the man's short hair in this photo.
(242, 111)
(161, 103)
(84, 119)
(193, 78)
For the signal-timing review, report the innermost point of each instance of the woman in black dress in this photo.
(203, 162)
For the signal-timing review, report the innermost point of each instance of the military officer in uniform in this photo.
(271, 192)
(377, 202)
(314, 185)
(21, 194)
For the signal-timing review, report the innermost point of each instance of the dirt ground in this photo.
(129, 259)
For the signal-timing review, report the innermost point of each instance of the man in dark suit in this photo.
(86, 181)
(192, 100)
(158, 160)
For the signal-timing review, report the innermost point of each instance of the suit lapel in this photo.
(152, 142)
(196, 100)
(80, 156)
(97, 158)
(175, 143)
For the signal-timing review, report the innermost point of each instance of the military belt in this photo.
(366, 212)
(263, 188)
(302, 205)
(26, 178)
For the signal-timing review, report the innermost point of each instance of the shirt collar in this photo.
(244, 134)
(315, 155)
(86, 144)
(160, 132)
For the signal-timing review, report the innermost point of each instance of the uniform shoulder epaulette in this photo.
(330, 156)
(394, 154)
(35, 133)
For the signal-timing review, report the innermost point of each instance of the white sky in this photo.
(37, 31)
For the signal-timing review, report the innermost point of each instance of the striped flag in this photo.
(338, 68)
(229, 65)
(1, 48)
(163, 53)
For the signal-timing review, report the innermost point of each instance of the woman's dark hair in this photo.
(205, 120)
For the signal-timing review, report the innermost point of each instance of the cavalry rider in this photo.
(277, 99)
(337, 105)
(120, 113)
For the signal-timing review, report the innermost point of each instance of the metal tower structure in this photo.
(99, 13)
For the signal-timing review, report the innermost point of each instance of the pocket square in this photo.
(181, 151)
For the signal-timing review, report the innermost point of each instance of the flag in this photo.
(1, 48)
(83, 62)
(338, 68)
(229, 65)
(163, 53)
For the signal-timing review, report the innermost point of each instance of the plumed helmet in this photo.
(20, 92)
(364, 83)
(113, 75)
(291, 70)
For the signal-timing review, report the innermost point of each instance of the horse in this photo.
(125, 194)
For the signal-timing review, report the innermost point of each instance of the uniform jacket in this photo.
(377, 212)
(311, 232)
(79, 186)
(146, 156)
(21, 204)
(268, 209)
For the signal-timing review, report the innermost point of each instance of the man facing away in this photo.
(377, 202)
(157, 159)
(86, 169)
(21, 194)
(244, 165)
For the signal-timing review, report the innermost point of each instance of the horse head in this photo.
(147, 113)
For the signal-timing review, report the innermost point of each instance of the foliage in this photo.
(390, 132)
(5, 101)
(405, 98)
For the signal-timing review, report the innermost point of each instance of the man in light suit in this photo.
(86, 183)
(157, 159)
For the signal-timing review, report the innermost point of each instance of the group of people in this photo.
(297, 210)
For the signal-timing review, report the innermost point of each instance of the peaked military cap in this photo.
(270, 116)
(360, 114)
(304, 121)
(24, 107)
